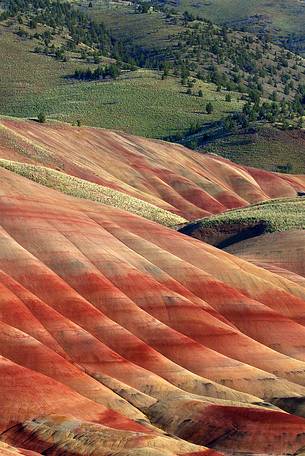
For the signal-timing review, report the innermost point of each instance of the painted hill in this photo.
(121, 337)
(168, 176)
(82, 188)
(283, 252)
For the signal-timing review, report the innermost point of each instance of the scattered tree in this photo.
(228, 98)
(209, 108)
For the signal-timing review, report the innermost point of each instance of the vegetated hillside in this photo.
(203, 74)
(269, 77)
(138, 102)
(235, 226)
(248, 147)
(230, 58)
(151, 30)
(83, 86)
(169, 176)
(236, 60)
(283, 20)
(118, 335)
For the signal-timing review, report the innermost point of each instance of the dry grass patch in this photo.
(281, 214)
(80, 188)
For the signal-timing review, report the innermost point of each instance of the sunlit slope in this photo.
(88, 190)
(118, 334)
(169, 176)
(283, 252)
(8, 450)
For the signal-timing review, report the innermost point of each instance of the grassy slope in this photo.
(83, 189)
(286, 16)
(267, 149)
(156, 30)
(138, 103)
(149, 30)
(279, 215)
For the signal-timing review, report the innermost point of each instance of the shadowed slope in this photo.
(169, 176)
(114, 330)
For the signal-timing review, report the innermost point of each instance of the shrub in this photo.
(41, 117)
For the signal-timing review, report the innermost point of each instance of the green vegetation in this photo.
(209, 108)
(196, 76)
(111, 71)
(61, 30)
(263, 147)
(270, 79)
(80, 188)
(192, 46)
(281, 19)
(59, 19)
(137, 102)
(276, 215)
(149, 31)
(18, 80)
(235, 60)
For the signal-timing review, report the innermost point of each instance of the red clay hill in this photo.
(121, 337)
(167, 175)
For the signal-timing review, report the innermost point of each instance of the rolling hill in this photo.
(168, 176)
(181, 78)
(284, 255)
(122, 337)
(152, 297)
